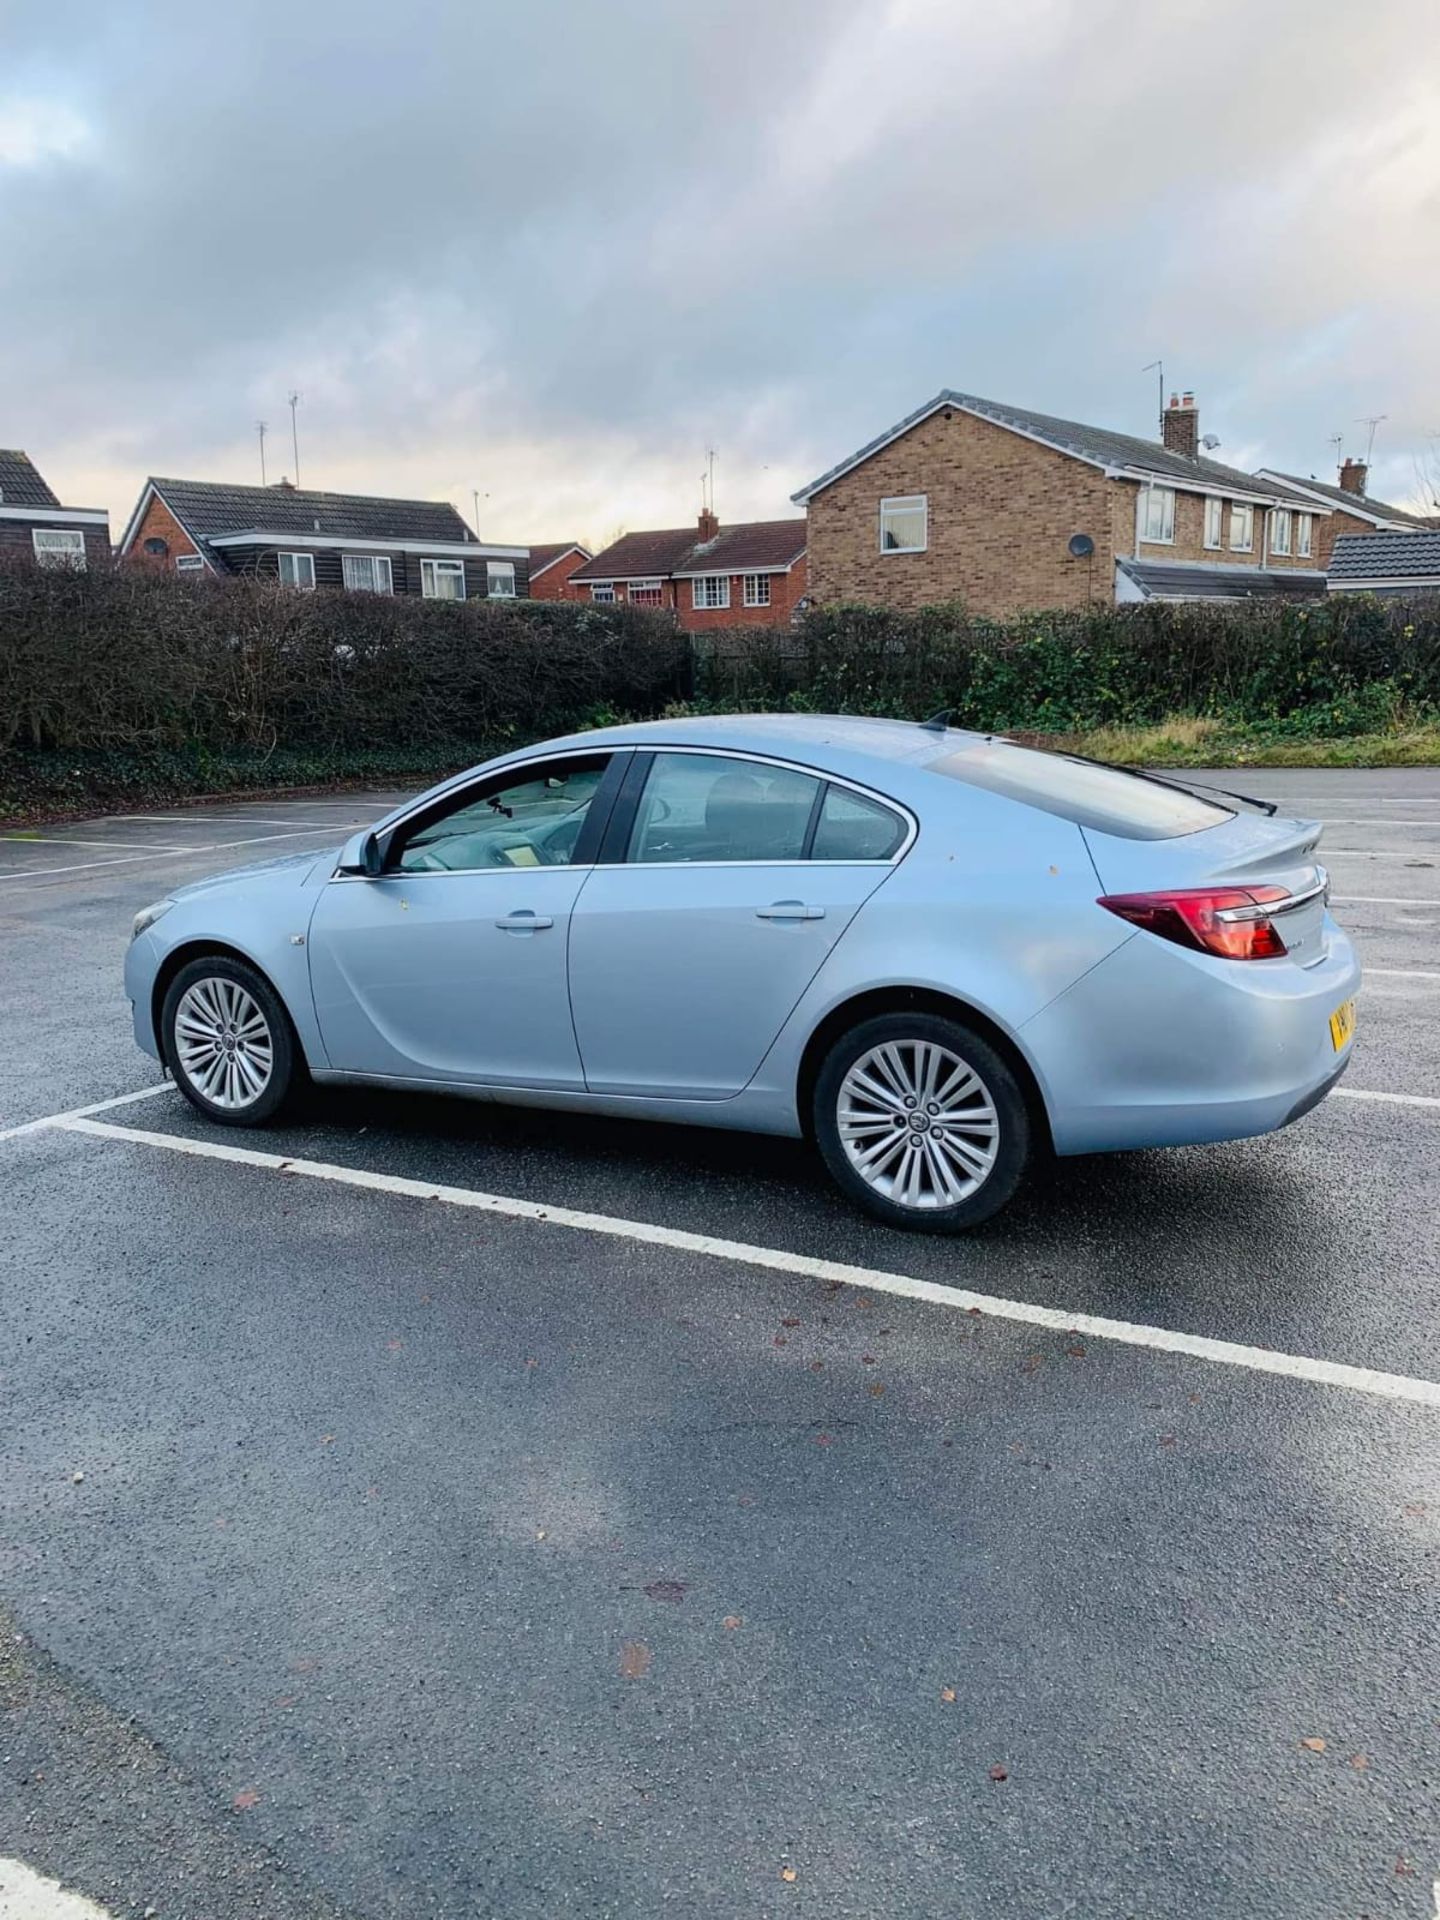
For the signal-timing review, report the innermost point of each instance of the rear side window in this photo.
(1106, 799)
(696, 806)
(854, 828)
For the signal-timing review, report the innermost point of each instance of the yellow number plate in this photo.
(1342, 1026)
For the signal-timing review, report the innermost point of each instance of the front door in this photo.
(696, 936)
(451, 965)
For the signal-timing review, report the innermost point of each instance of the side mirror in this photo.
(362, 854)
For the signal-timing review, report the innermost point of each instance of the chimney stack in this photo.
(708, 525)
(1180, 426)
(1353, 475)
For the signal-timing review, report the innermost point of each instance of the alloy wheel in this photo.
(918, 1124)
(224, 1043)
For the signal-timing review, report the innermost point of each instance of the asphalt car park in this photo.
(423, 1507)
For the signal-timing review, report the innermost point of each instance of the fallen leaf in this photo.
(787, 1873)
(327, 1439)
(974, 1311)
(862, 1300)
(781, 1341)
(532, 1361)
(868, 1360)
(817, 1366)
(246, 1798)
(1167, 1439)
(878, 1388)
(1076, 1350)
(824, 1440)
(635, 1660)
(1403, 1866)
(790, 1322)
(394, 1346)
(1313, 1743)
(744, 1499)
(303, 1666)
(732, 1621)
(1359, 1762)
(286, 1700)
(1032, 1363)
(1415, 1508)
(671, 1590)
(947, 1694)
(999, 1773)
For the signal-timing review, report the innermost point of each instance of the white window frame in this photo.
(1242, 512)
(602, 592)
(656, 586)
(500, 579)
(1165, 497)
(189, 563)
(304, 586)
(351, 563)
(906, 503)
(1214, 511)
(756, 591)
(431, 572)
(710, 592)
(1304, 535)
(59, 547)
(1281, 522)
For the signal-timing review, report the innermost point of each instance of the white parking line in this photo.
(63, 840)
(27, 1895)
(1399, 1099)
(1379, 900)
(1400, 973)
(1349, 820)
(1329, 1373)
(17, 879)
(78, 1113)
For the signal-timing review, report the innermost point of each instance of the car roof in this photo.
(822, 739)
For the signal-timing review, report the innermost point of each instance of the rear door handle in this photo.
(524, 922)
(789, 910)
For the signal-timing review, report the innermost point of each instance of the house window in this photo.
(603, 590)
(56, 548)
(1279, 530)
(188, 563)
(500, 579)
(646, 593)
(711, 590)
(298, 570)
(1214, 522)
(443, 579)
(1242, 528)
(157, 548)
(757, 589)
(368, 572)
(905, 524)
(1157, 515)
(1304, 533)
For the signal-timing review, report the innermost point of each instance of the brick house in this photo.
(1352, 511)
(551, 568)
(1006, 510)
(307, 539)
(35, 525)
(709, 576)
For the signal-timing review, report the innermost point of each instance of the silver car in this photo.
(936, 953)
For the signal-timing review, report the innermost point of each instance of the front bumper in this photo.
(142, 963)
(1158, 1046)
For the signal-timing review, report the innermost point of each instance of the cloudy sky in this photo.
(554, 249)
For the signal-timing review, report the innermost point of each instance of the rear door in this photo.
(724, 883)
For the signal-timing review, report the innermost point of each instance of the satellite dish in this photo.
(1081, 546)
(1210, 441)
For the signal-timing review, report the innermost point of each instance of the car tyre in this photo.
(921, 1122)
(229, 1042)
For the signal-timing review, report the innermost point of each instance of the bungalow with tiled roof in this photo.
(1387, 562)
(552, 566)
(750, 574)
(34, 525)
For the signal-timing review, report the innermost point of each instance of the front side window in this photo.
(757, 589)
(1157, 515)
(442, 579)
(711, 590)
(1279, 531)
(646, 593)
(905, 523)
(298, 570)
(711, 807)
(1242, 528)
(603, 591)
(56, 548)
(1214, 522)
(500, 579)
(368, 573)
(1304, 534)
(531, 818)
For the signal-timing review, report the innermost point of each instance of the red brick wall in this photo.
(159, 523)
(786, 589)
(554, 582)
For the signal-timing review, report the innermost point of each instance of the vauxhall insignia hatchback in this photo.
(936, 954)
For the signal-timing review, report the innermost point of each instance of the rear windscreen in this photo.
(1107, 799)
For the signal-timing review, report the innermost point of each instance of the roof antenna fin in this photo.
(939, 722)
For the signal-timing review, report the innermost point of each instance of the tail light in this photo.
(1233, 922)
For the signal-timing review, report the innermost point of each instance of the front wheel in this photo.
(228, 1041)
(921, 1122)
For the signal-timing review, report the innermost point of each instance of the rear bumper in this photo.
(1160, 1047)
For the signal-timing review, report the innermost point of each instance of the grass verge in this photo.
(1187, 742)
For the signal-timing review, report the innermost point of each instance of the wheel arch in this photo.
(908, 999)
(202, 948)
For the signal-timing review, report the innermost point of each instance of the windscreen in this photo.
(1107, 799)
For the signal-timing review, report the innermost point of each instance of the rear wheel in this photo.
(921, 1122)
(228, 1041)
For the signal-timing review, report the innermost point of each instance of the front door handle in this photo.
(789, 910)
(524, 922)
